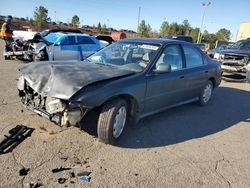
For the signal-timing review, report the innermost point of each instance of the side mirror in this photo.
(162, 68)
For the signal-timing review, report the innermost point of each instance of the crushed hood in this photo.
(63, 79)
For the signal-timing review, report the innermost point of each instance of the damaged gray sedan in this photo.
(129, 79)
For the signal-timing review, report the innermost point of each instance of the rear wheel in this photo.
(112, 121)
(206, 93)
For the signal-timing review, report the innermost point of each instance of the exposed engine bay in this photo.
(61, 112)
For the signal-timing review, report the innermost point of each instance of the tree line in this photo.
(184, 28)
(144, 30)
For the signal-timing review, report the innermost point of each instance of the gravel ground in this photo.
(188, 146)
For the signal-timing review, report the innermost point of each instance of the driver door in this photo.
(166, 89)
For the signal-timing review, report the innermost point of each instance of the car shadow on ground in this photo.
(227, 107)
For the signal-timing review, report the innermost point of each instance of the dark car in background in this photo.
(201, 46)
(235, 59)
(180, 37)
(127, 80)
(217, 50)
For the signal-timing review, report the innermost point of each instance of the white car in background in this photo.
(66, 46)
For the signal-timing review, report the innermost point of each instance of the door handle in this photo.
(206, 71)
(181, 77)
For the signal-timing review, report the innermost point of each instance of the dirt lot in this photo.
(188, 146)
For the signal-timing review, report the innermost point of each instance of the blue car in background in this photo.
(65, 46)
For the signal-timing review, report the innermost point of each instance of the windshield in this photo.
(131, 56)
(241, 45)
(54, 37)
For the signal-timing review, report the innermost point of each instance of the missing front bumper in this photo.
(65, 118)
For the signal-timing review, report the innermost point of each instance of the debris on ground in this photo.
(84, 173)
(85, 178)
(62, 180)
(64, 158)
(72, 175)
(36, 184)
(17, 135)
(43, 128)
(24, 171)
(56, 170)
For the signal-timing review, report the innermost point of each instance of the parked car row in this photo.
(56, 44)
(127, 80)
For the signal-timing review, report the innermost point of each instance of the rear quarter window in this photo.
(193, 56)
(84, 40)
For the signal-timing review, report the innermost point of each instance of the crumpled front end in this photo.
(234, 63)
(62, 112)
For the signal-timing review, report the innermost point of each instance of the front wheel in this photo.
(112, 120)
(206, 93)
(6, 57)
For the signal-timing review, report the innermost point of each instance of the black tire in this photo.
(202, 99)
(6, 57)
(106, 121)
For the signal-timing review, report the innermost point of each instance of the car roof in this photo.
(159, 41)
(72, 34)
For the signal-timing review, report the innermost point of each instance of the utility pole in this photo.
(202, 20)
(139, 17)
(55, 16)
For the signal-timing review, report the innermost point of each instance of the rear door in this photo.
(196, 70)
(87, 45)
(67, 49)
(166, 89)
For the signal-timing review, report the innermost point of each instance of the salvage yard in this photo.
(188, 146)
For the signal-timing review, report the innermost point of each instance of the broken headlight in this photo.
(20, 83)
(221, 56)
(54, 105)
(72, 105)
(216, 56)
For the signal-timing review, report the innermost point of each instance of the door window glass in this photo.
(84, 40)
(193, 57)
(172, 56)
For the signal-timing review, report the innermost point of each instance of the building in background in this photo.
(244, 31)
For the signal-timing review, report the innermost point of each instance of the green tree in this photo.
(99, 27)
(144, 29)
(75, 21)
(194, 33)
(104, 29)
(164, 30)
(223, 35)
(186, 28)
(174, 29)
(41, 16)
